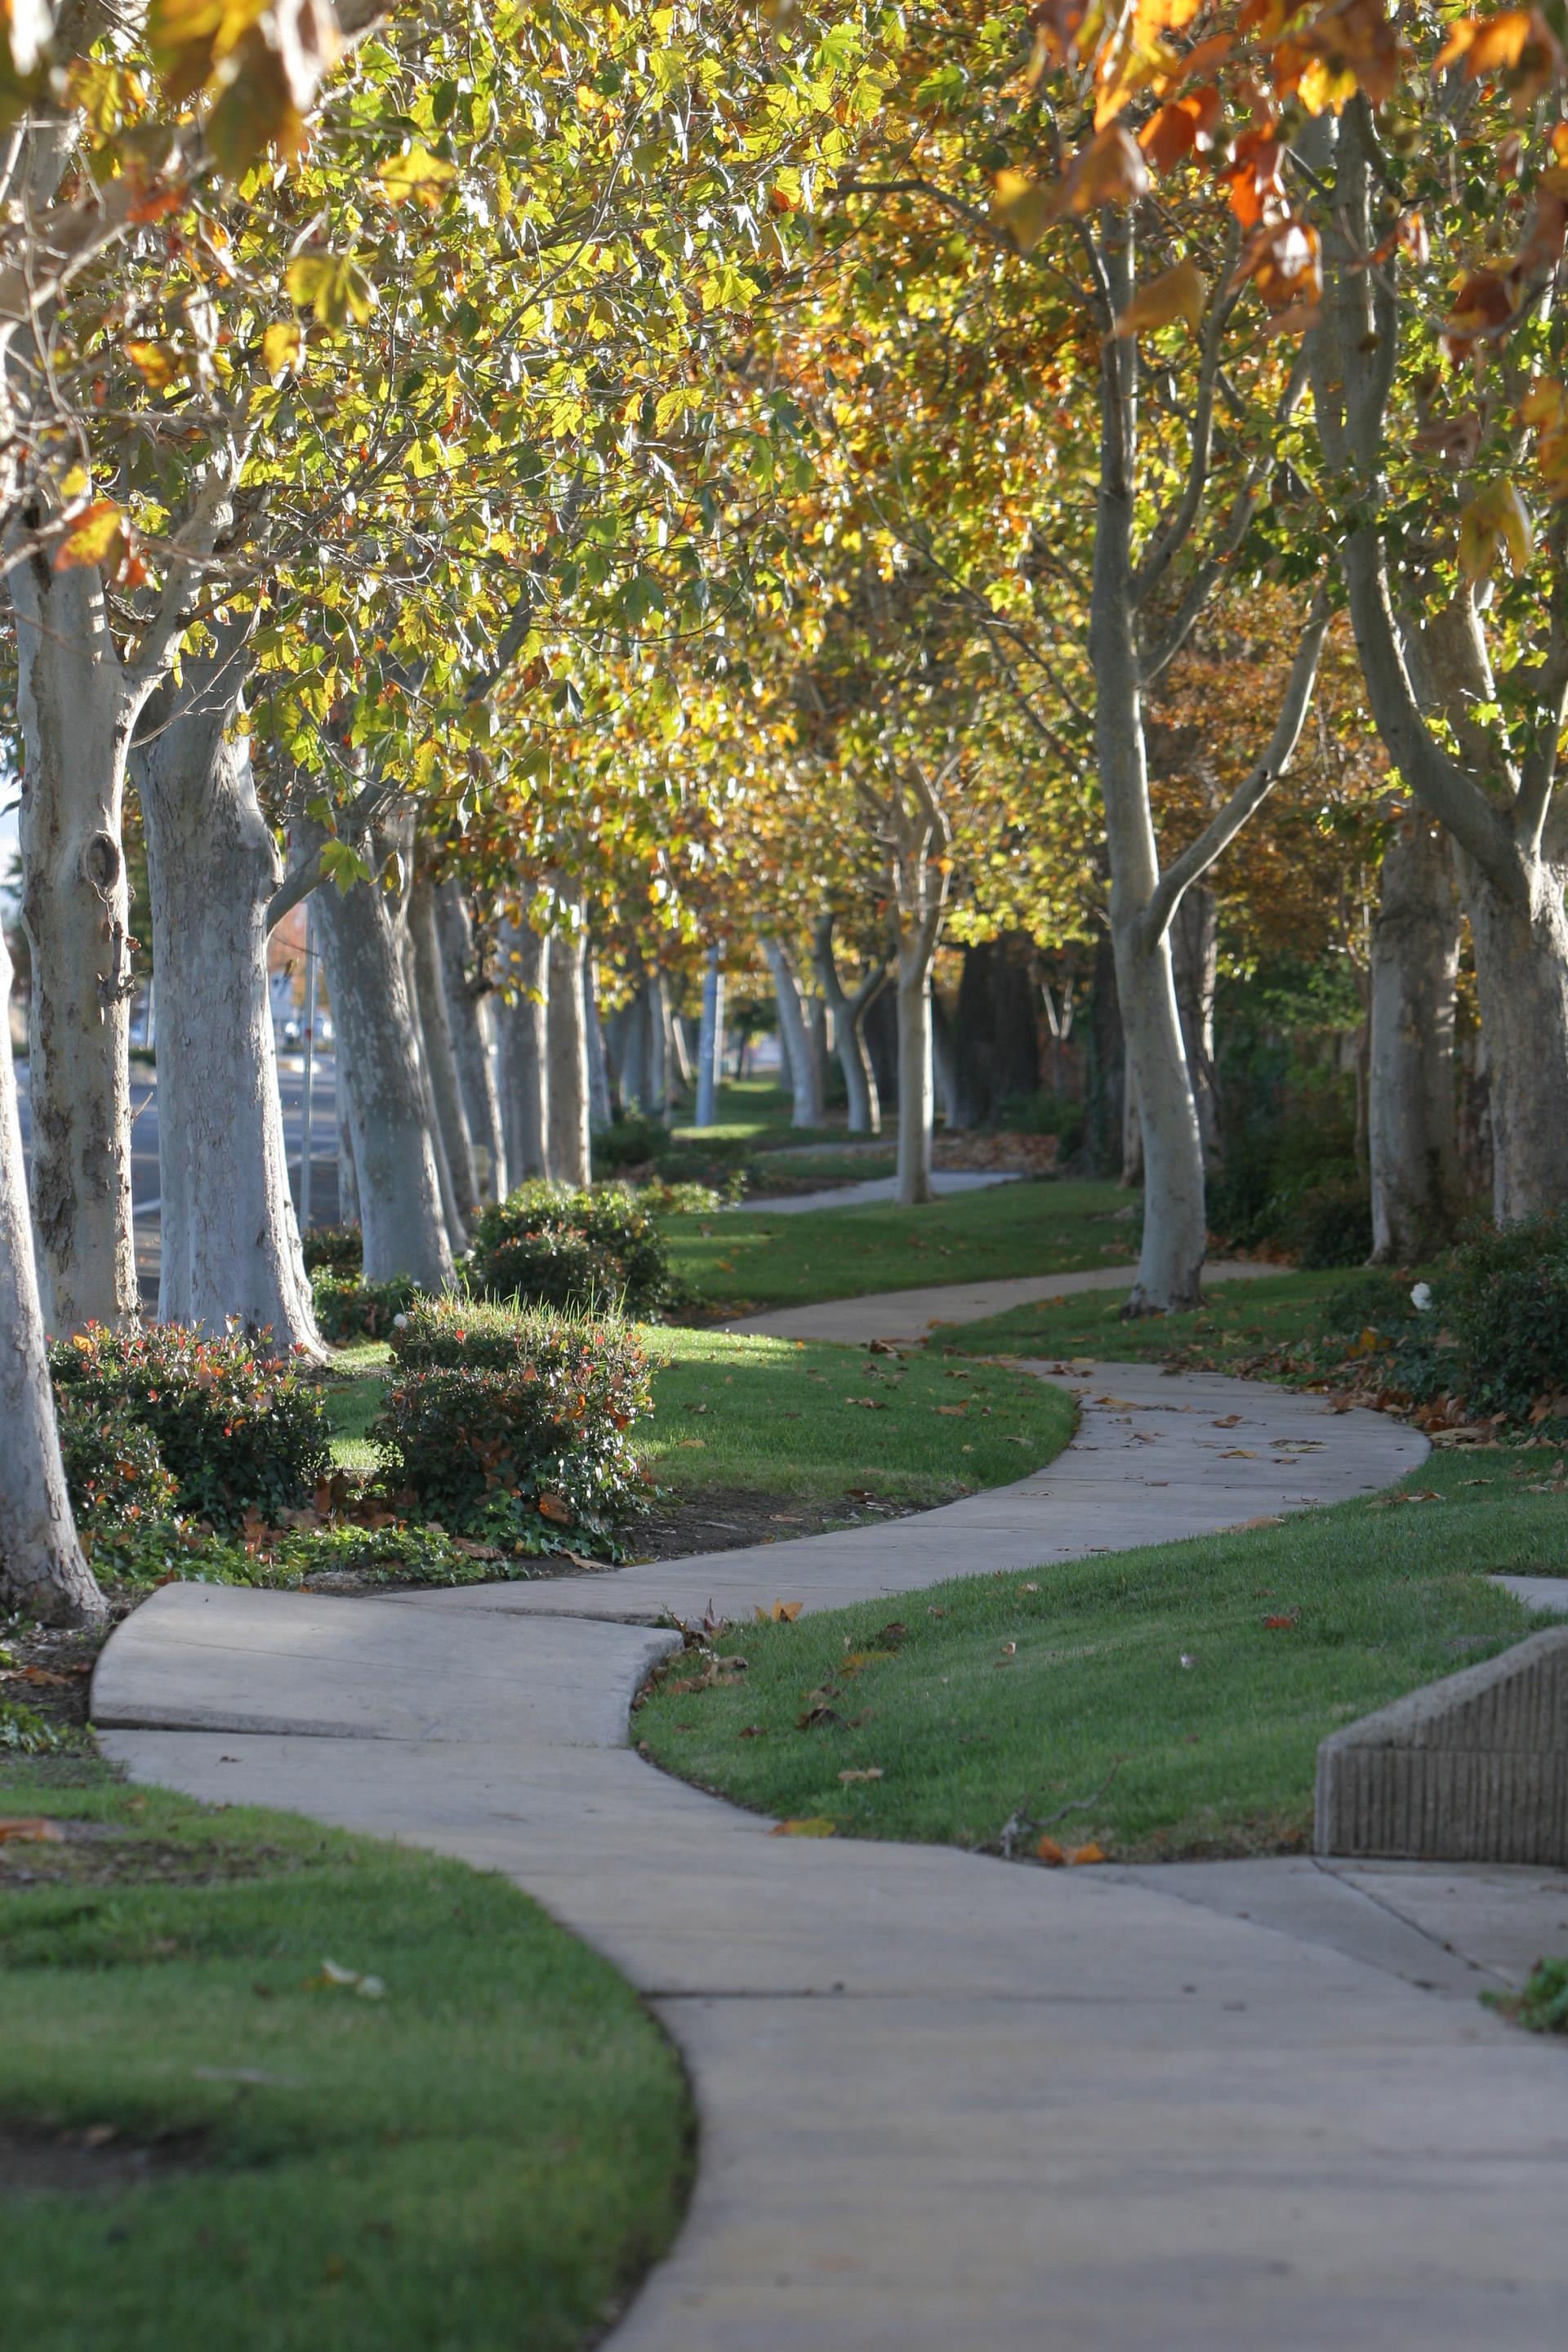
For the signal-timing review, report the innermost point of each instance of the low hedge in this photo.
(236, 1430)
(513, 1423)
(1504, 1298)
(339, 1247)
(348, 1310)
(599, 1251)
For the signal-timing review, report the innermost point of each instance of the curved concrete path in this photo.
(946, 2103)
(871, 1189)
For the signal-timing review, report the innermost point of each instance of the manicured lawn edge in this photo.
(1286, 1633)
(491, 2153)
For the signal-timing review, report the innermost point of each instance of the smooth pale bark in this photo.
(229, 1238)
(601, 1110)
(76, 709)
(1195, 958)
(917, 1104)
(804, 1082)
(865, 1110)
(655, 1013)
(1412, 1139)
(348, 1174)
(710, 1040)
(632, 1032)
(1502, 812)
(680, 1051)
(401, 1215)
(452, 1207)
(467, 1024)
(571, 1160)
(520, 1030)
(440, 1055)
(42, 1570)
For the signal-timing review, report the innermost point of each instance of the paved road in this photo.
(144, 1181)
(945, 2102)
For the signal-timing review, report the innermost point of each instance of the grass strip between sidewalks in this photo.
(1172, 1697)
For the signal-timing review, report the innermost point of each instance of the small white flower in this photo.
(400, 1322)
(1187, 1660)
(1421, 1297)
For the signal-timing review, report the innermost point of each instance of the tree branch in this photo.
(1227, 823)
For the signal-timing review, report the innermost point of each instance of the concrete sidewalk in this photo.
(945, 2102)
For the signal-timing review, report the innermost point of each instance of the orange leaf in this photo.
(96, 536)
(1085, 1853)
(816, 1825)
(30, 1830)
(1049, 1850)
(1178, 293)
(553, 1505)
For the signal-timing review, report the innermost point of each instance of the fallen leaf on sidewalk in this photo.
(1230, 1421)
(1238, 1454)
(819, 1825)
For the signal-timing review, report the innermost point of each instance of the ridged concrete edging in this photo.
(945, 2103)
(1471, 1768)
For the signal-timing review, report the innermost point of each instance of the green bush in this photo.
(544, 1245)
(1328, 1225)
(348, 1309)
(1042, 1113)
(512, 1423)
(114, 1465)
(1504, 1296)
(237, 1430)
(339, 1247)
(631, 1142)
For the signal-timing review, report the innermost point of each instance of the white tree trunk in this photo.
(658, 1020)
(601, 1111)
(916, 1096)
(806, 1089)
(522, 1042)
(467, 1024)
(1412, 1139)
(42, 1570)
(348, 1174)
(76, 720)
(1521, 980)
(451, 1208)
(400, 1200)
(1195, 957)
(440, 1058)
(567, 1087)
(865, 1110)
(230, 1242)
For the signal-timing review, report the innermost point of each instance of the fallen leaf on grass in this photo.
(816, 1825)
(1289, 1623)
(1269, 1519)
(878, 1405)
(1054, 1855)
(30, 1830)
(870, 1773)
(750, 1731)
(334, 1979)
(782, 1613)
(955, 1410)
(699, 1444)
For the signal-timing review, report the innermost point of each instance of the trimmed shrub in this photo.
(631, 1142)
(512, 1423)
(1504, 1296)
(339, 1247)
(1330, 1225)
(237, 1430)
(348, 1309)
(590, 1251)
(114, 1466)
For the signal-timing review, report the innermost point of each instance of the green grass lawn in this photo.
(1095, 1702)
(743, 1256)
(817, 1420)
(489, 2156)
(775, 1417)
(755, 1111)
(1238, 1322)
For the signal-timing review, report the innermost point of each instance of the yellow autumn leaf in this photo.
(158, 364)
(281, 345)
(1496, 522)
(417, 173)
(96, 535)
(818, 1825)
(1024, 206)
(1178, 293)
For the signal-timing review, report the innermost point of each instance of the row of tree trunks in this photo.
(568, 1146)
(468, 1025)
(804, 1068)
(524, 1049)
